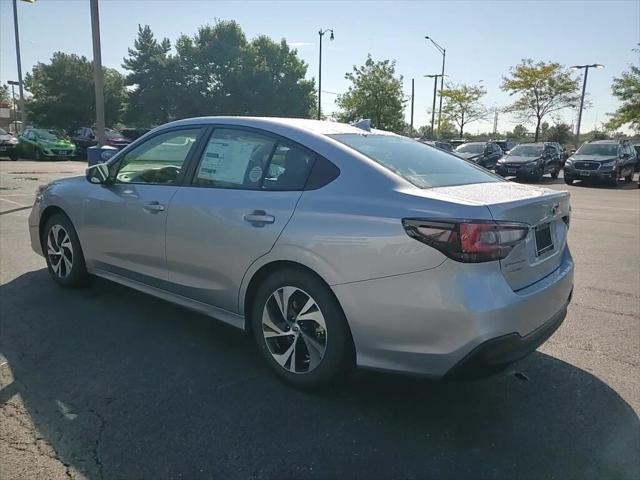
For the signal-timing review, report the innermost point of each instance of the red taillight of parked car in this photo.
(469, 241)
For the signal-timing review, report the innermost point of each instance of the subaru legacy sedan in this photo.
(335, 246)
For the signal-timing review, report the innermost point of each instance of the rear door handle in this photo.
(258, 218)
(154, 207)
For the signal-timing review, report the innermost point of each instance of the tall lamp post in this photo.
(331, 37)
(98, 77)
(584, 88)
(435, 77)
(443, 52)
(23, 115)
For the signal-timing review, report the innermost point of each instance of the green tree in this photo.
(5, 97)
(462, 104)
(63, 94)
(219, 72)
(519, 132)
(542, 88)
(627, 90)
(560, 132)
(149, 102)
(375, 93)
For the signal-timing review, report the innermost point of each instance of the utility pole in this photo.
(433, 109)
(584, 89)
(23, 113)
(98, 77)
(13, 83)
(412, 97)
(443, 52)
(495, 122)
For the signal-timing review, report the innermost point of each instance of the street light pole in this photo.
(321, 34)
(98, 78)
(433, 109)
(443, 52)
(23, 115)
(584, 89)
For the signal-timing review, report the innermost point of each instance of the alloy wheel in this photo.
(60, 251)
(294, 330)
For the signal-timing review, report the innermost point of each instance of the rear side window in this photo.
(417, 163)
(288, 169)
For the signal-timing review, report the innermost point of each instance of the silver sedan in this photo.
(335, 246)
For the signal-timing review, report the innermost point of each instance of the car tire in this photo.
(555, 173)
(614, 181)
(13, 157)
(37, 156)
(629, 178)
(63, 252)
(568, 180)
(305, 352)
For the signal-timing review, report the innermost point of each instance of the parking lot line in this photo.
(14, 203)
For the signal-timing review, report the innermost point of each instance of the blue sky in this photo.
(483, 38)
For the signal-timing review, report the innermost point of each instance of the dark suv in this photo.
(601, 160)
(485, 154)
(531, 161)
(84, 137)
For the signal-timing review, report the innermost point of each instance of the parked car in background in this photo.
(85, 137)
(316, 256)
(601, 160)
(485, 154)
(134, 133)
(636, 147)
(563, 153)
(8, 145)
(456, 142)
(530, 161)
(41, 144)
(505, 145)
(447, 147)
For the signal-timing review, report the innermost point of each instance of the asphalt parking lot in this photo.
(107, 383)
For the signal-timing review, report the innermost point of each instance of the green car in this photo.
(41, 144)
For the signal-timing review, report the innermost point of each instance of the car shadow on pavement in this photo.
(123, 385)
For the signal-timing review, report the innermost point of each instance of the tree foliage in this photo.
(626, 89)
(560, 132)
(375, 93)
(541, 88)
(63, 96)
(5, 96)
(462, 104)
(151, 73)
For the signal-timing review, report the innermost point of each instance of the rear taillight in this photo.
(469, 241)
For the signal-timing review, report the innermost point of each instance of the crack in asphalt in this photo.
(604, 310)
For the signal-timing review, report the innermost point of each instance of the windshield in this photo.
(471, 148)
(610, 149)
(423, 166)
(527, 150)
(45, 135)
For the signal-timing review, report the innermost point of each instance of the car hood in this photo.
(468, 155)
(56, 143)
(6, 137)
(519, 159)
(593, 158)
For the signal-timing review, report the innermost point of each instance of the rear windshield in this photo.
(423, 166)
(598, 149)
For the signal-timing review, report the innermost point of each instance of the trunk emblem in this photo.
(554, 210)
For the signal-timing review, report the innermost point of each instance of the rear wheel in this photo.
(300, 329)
(65, 260)
(629, 178)
(555, 173)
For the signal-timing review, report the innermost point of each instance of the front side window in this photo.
(475, 148)
(158, 160)
(423, 166)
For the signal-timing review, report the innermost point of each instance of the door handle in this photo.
(258, 218)
(154, 207)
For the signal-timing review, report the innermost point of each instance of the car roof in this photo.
(322, 127)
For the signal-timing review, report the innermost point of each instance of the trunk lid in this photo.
(541, 208)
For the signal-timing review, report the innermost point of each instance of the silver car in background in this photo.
(335, 246)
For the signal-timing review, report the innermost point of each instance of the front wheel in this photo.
(568, 180)
(614, 180)
(65, 260)
(300, 329)
(37, 156)
(629, 178)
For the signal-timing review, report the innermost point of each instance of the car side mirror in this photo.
(98, 174)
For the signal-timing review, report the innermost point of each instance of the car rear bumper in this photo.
(429, 322)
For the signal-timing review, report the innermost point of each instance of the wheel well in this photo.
(46, 215)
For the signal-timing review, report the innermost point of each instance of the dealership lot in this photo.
(109, 383)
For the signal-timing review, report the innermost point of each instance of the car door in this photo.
(244, 190)
(28, 143)
(124, 221)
